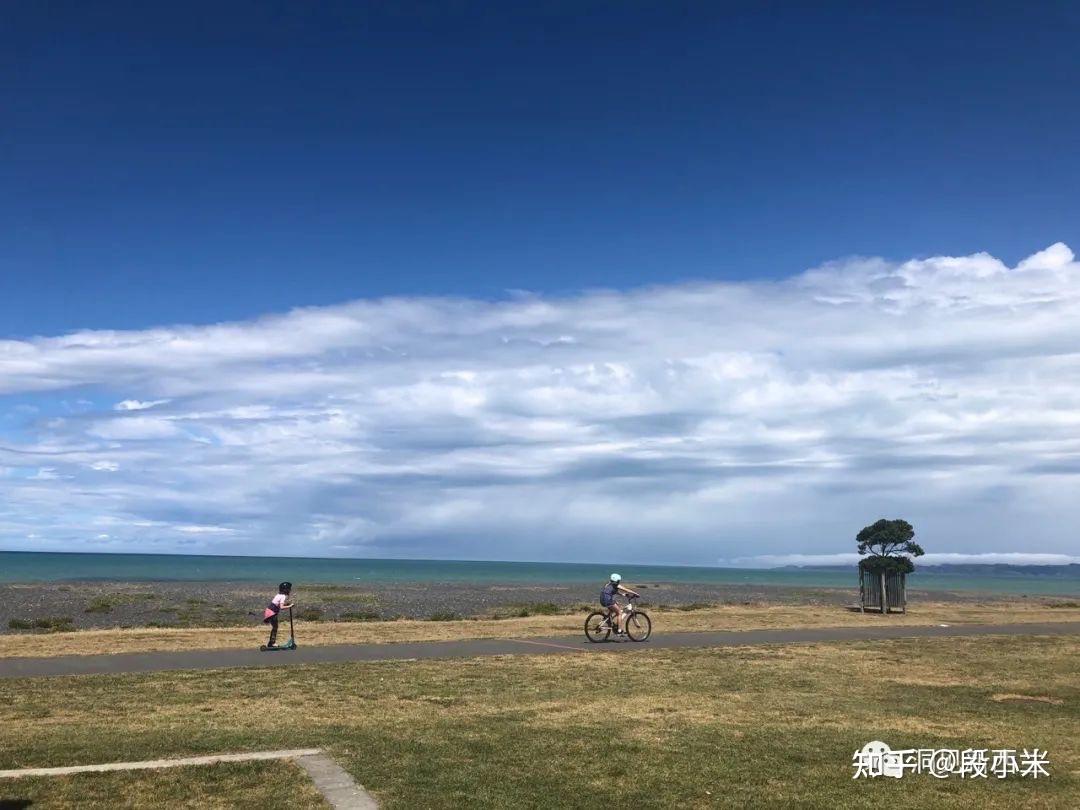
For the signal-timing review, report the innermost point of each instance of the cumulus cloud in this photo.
(683, 423)
(134, 428)
(136, 405)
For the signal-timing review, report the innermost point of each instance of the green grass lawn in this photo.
(750, 726)
(266, 785)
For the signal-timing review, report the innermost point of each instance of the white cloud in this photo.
(1006, 558)
(137, 405)
(203, 529)
(683, 423)
(134, 427)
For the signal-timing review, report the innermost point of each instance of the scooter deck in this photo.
(276, 647)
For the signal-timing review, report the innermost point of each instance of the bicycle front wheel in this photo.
(638, 626)
(597, 627)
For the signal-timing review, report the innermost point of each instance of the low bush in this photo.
(53, 624)
(444, 616)
(101, 604)
(530, 609)
(360, 616)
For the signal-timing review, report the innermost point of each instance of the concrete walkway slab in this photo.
(154, 764)
(334, 782)
(472, 648)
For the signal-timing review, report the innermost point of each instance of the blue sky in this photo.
(219, 161)
(535, 250)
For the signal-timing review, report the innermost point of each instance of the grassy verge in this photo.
(746, 727)
(445, 627)
(268, 785)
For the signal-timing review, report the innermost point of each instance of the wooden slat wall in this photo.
(870, 591)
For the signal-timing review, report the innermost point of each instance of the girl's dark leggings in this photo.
(273, 620)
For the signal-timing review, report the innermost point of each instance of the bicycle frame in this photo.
(626, 610)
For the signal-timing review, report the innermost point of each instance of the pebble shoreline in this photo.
(97, 605)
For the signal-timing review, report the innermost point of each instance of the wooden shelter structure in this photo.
(883, 589)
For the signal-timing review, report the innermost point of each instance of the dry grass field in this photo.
(223, 786)
(731, 727)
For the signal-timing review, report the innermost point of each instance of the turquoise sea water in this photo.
(17, 566)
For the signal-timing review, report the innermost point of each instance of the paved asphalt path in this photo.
(471, 648)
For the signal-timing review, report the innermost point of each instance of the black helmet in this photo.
(284, 587)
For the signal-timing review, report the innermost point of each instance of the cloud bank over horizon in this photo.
(688, 423)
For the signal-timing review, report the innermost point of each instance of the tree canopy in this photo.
(888, 542)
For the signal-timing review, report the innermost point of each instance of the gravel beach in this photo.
(85, 605)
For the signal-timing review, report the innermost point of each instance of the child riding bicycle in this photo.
(616, 612)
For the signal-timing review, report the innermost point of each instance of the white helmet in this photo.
(616, 578)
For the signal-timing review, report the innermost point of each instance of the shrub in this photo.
(361, 616)
(54, 624)
(534, 609)
(903, 565)
(99, 605)
(444, 616)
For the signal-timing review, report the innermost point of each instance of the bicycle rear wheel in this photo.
(638, 626)
(597, 627)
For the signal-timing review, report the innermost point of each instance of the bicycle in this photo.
(637, 624)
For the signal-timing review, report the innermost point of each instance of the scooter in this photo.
(288, 645)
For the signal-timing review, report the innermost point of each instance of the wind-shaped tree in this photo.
(887, 541)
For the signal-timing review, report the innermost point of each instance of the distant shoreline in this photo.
(56, 568)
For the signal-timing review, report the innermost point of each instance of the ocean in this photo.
(21, 566)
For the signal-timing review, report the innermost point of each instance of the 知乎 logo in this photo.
(877, 759)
